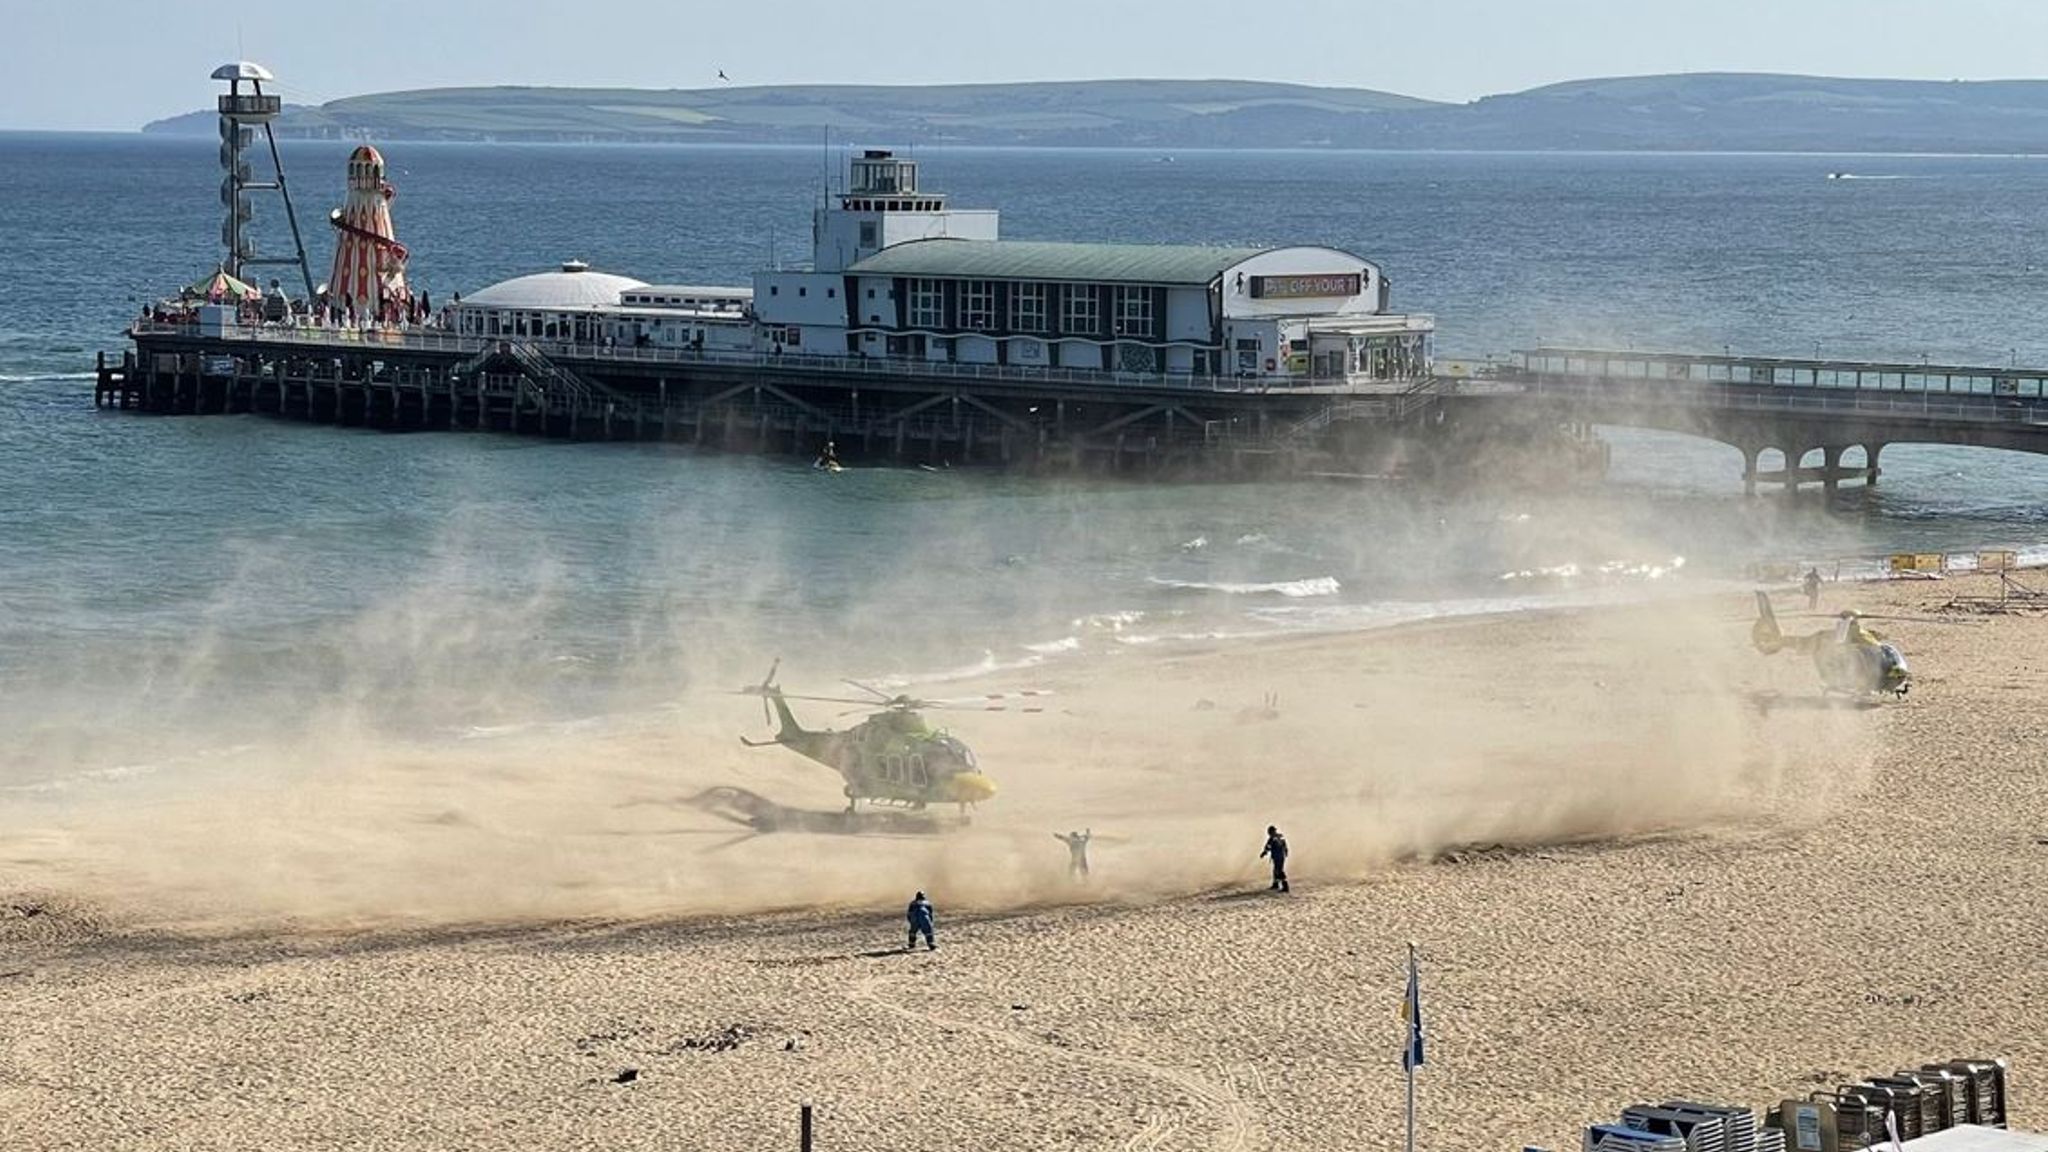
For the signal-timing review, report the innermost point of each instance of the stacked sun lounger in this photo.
(1738, 1125)
(1622, 1138)
(1986, 1087)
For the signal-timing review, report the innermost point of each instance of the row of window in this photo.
(1079, 308)
(650, 299)
(854, 204)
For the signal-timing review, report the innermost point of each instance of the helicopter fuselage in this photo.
(891, 758)
(1850, 659)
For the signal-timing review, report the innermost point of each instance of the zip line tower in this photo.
(241, 111)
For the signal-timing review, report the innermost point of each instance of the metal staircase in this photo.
(542, 385)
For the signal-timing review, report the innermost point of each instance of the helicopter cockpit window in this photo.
(957, 750)
(918, 775)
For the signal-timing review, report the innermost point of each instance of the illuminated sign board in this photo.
(1305, 285)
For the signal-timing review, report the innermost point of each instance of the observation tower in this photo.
(244, 107)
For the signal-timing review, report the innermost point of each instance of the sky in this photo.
(115, 64)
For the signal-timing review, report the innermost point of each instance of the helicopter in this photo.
(1851, 659)
(893, 757)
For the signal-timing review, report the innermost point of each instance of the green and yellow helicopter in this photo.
(893, 757)
(1851, 659)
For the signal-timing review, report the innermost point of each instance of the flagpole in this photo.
(1409, 1040)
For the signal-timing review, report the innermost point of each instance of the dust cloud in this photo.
(1517, 730)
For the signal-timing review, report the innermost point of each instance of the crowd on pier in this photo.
(274, 306)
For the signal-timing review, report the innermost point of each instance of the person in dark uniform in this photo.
(920, 916)
(1811, 583)
(1077, 851)
(1276, 851)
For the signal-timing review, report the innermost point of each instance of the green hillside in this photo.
(1703, 111)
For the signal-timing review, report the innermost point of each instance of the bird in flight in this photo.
(723, 76)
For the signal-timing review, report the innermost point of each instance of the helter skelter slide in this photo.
(369, 262)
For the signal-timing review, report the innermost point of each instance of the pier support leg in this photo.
(1831, 459)
(1793, 463)
(1870, 468)
(1750, 459)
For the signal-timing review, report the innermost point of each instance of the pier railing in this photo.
(1987, 409)
(1685, 369)
(440, 340)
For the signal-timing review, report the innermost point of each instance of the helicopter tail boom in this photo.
(786, 726)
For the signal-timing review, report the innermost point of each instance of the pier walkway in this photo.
(1793, 407)
(1826, 421)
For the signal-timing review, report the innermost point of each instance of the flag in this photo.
(1411, 1012)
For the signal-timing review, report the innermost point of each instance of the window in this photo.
(1134, 311)
(831, 293)
(927, 304)
(1078, 312)
(1027, 308)
(978, 305)
(871, 293)
(775, 290)
(868, 237)
(803, 291)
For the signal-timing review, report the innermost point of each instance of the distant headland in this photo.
(1688, 112)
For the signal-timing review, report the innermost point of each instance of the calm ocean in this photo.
(232, 567)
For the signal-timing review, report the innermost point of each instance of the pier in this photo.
(916, 334)
(907, 411)
(1828, 420)
(1817, 415)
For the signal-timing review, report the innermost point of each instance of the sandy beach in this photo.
(1640, 861)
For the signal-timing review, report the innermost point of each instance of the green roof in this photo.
(1036, 260)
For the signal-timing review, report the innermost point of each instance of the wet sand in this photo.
(1639, 860)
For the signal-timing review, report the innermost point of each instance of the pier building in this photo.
(896, 273)
(576, 304)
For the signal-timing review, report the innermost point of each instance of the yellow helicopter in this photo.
(893, 757)
(1851, 659)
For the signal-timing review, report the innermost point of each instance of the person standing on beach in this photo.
(920, 916)
(1811, 583)
(1276, 851)
(1077, 851)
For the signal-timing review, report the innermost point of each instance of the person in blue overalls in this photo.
(920, 916)
(1276, 850)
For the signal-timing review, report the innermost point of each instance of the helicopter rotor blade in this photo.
(993, 701)
(877, 693)
(757, 690)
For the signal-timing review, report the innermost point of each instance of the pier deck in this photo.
(926, 412)
(1791, 406)
(939, 413)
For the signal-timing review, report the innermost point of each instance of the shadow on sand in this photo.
(757, 812)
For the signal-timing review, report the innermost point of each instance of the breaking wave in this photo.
(1293, 589)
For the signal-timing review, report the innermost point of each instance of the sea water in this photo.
(236, 568)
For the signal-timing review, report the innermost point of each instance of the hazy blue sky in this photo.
(117, 63)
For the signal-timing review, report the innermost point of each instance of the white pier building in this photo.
(897, 274)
